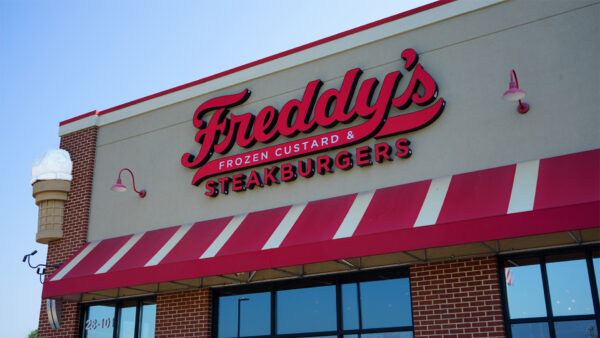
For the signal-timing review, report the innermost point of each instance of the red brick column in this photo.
(459, 298)
(81, 146)
(184, 314)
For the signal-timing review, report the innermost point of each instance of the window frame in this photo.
(306, 282)
(550, 319)
(118, 303)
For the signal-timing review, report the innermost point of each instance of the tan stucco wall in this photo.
(552, 45)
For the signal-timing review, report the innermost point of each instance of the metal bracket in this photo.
(286, 272)
(415, 257)
(577, 240)
(347, 264)
(495, 251)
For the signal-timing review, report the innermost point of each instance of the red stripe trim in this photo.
(568, 179)
(393, 208)
(478, 194)
(98, 257)
(267, 59)
(583, 216)
(254, 231)
(145, 249)
(63, 265)
(319, 220)
(196, 240)
(73, 119)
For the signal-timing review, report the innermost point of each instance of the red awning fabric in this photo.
(537, 197)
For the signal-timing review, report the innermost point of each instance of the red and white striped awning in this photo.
(538, 197)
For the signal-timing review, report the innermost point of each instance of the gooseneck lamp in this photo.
(119, 187)
(514, 93)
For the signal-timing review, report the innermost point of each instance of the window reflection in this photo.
(385, 303)
(314, 309)
(148, 321)
(570, 288)
(134, 316)
(100, 321)
(567, 304)
(296, 308)
(573, 329)
(530, 330)
(254, 315)
(127, 321)
(526, 291)
(350, 306)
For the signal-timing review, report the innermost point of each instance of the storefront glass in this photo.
(570, 291)
(127, 320)
(383, 304)
(254, 315)
(148, 319)
(314, 305)
(530, 330)
(552, 294)
(99, 321)
(133, 318)
(526, 284)
(329, 306)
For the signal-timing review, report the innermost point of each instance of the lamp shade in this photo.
(514, 94)
(118, 187)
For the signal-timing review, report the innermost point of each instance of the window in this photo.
(128, 318)
(552, 294)
(372, 304)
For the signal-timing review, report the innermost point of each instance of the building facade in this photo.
(373, 183)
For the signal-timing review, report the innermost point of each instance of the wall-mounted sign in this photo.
(224, 129)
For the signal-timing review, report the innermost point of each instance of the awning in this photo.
(538, 197)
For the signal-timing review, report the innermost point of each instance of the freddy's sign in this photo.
(219, 131)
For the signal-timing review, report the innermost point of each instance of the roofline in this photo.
(263, 60)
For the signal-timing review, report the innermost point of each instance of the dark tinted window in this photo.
(386, 303)
(530, 330)
(579, 328)
(296, 308)
(373, 304)
(550, 294)
(254, 315)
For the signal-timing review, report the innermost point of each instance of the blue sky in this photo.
(60, 59)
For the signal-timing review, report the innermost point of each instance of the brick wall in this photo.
(459, 298)
(184, 314)
(81, 145)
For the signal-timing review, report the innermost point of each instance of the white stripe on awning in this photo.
(75, 261)
(119, 254)
(218, 243)
(284, 227)
(524, 185)
(354, 215)
(430, 211)
(162, 253)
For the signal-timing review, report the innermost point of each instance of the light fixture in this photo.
(119, 187)
(514, 93)
(40, 269)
